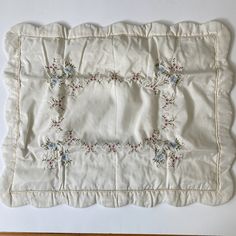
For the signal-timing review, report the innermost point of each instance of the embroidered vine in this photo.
(167, 76)
(169, 73)
(163, 150)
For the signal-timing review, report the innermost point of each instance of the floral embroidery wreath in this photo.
(164, 151)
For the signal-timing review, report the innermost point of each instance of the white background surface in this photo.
(194, 219)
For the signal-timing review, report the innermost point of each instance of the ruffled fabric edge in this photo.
(145, 198)
(9, 146)
(184, 28)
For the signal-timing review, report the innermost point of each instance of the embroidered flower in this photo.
(167, 100)
(69, 70)
(65, 159)
(55, 152)
(74, 87)
(70, 138)
(93, 78)
(159, 157)
(168, 151)
(112, 147)
(168, 121)
(55, 74)
(50, 157)
(172, 73)
(146, 82)
(176, 145)
(49, 145)
(134, 147)
(173, 159)
(51, 162)
(154, 138)
(89, 148)
(153, 86)
(58, 73)
(134, 78)
(114, 77)
(56, 124)
(57, 103)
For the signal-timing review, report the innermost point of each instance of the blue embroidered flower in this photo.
(69, 70)
(171, 72)
(160, 156)
(160, 68)
(174, 79)
(55, 153)
(49, 145)
(166, 151)
(65, 160)
(52, 146)
(58, 73)
(172, 144)
(176, 145)
(54, 82)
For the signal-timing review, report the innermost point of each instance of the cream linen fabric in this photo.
(116, 115)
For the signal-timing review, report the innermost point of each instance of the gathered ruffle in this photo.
(144, 30)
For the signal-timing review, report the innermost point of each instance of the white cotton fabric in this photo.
(111, 111)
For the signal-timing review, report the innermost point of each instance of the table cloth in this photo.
(116, 115)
